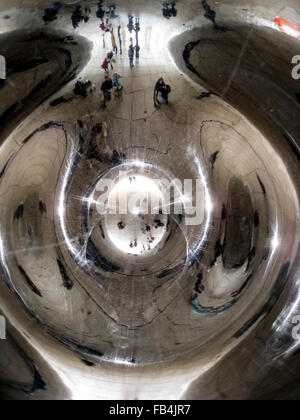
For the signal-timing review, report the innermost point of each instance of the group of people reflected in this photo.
(80, 15)
(146, 230)
(107, 15)
(169, 10)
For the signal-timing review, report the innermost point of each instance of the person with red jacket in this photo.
(105, 64)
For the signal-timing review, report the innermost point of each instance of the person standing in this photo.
(110, 58)
(165, 93)
(99, 132)
(102, 26)
(100, 12)
(112, 12)
(160, 84)
(106, 88)
(162, 89)
(104, 129)
(131, 55)
(113, 42)
(117, 81)
(120, 39)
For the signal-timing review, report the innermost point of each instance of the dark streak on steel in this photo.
(213, 158)
(262, 185)
(19, 212)
(67, 282)
(87, 363)
(29, 282)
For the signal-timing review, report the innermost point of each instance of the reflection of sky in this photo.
(134, 190)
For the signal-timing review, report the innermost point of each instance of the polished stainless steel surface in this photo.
(99, 306)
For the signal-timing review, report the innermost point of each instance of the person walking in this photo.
(131, 55)
(165, 93)
(110, 58)
(106, 88)
(105, 65)
(113, 42)
(86, 14)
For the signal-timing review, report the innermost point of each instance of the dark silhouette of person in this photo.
(131, 55)
(50, 14)
(100, 12)
(77, 17)
(169, 10)
(106, 88)
(163, 89)
(121, 225)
